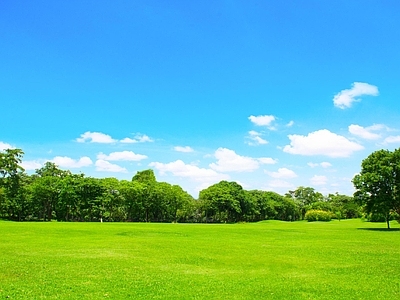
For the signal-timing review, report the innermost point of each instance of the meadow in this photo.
(348, 259)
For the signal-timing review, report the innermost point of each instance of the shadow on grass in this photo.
(380, 229)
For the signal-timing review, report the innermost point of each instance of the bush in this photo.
(318, 215)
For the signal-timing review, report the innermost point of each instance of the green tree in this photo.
(133, 194)
(45, 190)
(378, 184)
(344, 206)
(304, 197)
(222, 201)
(13, 200)
(146, 176)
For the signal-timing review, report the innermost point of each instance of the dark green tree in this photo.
(14, 198)
(378, 184)
(304, 197)
(222, 201)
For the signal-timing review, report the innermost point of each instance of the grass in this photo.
(349, 259)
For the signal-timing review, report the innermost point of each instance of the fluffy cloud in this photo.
(229, 161)
(4, 146)
(366, 132)
(267, 160)
(67, 162)
(30, 165)
(123, 155)
(263, 121)
(185, 149)
(290, 124)
(282, 173)
(345, 98)
(180, 169)
(323, 164)
(319, 180)
(139, 138)
(321, 142)
(95, 137)
(392, 139)
(255, 139)
(105, 166)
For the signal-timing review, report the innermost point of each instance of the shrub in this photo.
(318, 215)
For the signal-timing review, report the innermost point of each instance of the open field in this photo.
(349, 259)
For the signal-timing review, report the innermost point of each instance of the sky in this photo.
(271, 94)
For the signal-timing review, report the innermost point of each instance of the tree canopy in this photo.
(378, 184)
(55, 194)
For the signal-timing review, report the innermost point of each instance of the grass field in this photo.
(349, 259)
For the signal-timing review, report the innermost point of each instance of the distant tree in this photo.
(146, 176)
(344, 206)
(13, 197)
(45, 190)
(378, 184)
(304, 197)
(222, 201)
(133, 193)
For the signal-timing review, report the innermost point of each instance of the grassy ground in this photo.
(267, 260)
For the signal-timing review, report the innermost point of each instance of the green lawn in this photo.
(349, 259)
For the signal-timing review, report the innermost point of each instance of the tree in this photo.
(146, 176)
(13, 199)
(378, 184)
(304, 197)
(222, 201)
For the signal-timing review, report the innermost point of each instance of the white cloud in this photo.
(345, 98)
(321, 142)
(255, 139)
(30, 165)
(142, 138)
(282, 173)
(366, 132)
(323, 165)
(180, 169)
(185, 149)
(254, 133)
(128, 141)
(4, 146)
(267, 160)
(123, 155)
(67, 162)
(139, 138)
(263, 121)
(326, 164)
(229, 161)
(95, 137)
(392, 139)
(105, 166)
(318, 180)
(290, 124)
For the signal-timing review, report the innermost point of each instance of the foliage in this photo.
(304, 197)
(55, 194)
(378, 183)
(318, 215)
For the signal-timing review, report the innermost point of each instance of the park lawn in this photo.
(347, 259)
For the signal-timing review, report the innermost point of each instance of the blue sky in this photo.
(271, 94)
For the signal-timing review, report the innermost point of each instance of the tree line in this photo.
(54, 194)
